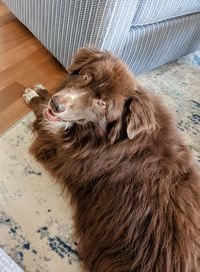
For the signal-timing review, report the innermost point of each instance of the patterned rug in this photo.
(36, 227)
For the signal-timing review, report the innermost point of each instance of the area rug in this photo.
(36, 226)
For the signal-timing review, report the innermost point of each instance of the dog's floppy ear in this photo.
(141, 115)
(84, 56)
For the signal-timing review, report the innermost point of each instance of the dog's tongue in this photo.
(50, 116)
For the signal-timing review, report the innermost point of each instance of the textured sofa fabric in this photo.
(144, 33)
(153, 11)
(152, 45)
(7, 264)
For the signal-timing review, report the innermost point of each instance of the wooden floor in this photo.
(23, 62)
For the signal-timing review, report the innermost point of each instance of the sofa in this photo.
(144, 33)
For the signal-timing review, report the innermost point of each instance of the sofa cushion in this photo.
(152, 11)
(150, 46)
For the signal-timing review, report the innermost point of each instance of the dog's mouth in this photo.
(50, 116)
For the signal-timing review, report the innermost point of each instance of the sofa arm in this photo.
(65, 25)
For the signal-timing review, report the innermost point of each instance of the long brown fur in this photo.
(135, 183)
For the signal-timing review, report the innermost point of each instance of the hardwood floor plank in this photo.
(28, 68)
(19, 53)
(4, 11)
(13, 92)
(12, 114)
(5, 16)
(24, 61)
(10, 28)
(49, 71)
(8, 42)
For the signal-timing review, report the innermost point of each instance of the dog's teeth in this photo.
(29, 94)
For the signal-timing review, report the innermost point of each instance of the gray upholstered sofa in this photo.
(144, 33)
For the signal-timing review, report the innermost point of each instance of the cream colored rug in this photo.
(35, 214)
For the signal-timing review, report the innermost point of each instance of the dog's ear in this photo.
(83, 57)
(140, 116)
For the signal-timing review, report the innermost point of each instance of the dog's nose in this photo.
(56, 105)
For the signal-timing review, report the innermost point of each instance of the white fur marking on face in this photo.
(74, 95)
(29, 94)
(54, 127)
(71, 93)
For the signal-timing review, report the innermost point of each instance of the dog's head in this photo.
(100, 90)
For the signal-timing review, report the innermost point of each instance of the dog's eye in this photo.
(73, 72)
(86, 78)
(101, 103)
(76, 72)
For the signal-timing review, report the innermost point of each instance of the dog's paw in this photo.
(41, 90)
(29, 94)
(38, 87)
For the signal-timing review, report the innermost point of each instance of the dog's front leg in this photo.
(36, 98)
(43, 148)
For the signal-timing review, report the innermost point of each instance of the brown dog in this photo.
(117, 148)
